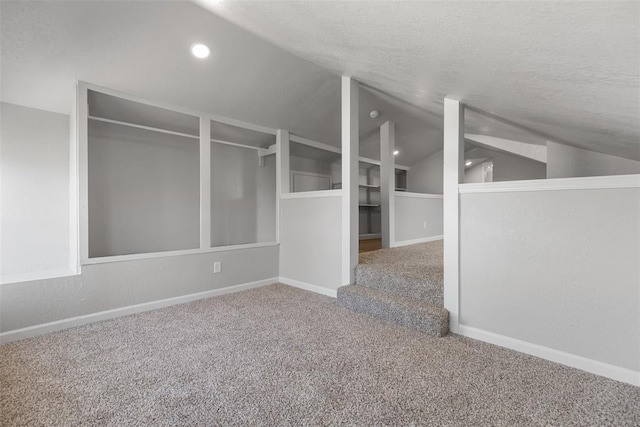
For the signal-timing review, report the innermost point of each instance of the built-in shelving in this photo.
(368, 205)
(338, 186)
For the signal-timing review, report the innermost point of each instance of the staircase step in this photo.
(423, 282)
(410, 312)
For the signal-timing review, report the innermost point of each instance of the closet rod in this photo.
(170, 132)
(133, 125)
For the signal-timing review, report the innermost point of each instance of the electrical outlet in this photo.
(425, 224)
(217, 266)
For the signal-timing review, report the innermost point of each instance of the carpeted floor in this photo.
(282, 356)
(413, 271)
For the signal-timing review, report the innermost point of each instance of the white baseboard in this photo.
(45, 328)
(333, 293)
(589, 365)
(415, 241)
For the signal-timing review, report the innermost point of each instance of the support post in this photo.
(205, 183)
(452, 176)
(282, 172)
(350, 145)
(388, 182)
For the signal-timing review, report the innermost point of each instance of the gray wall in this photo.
(507, 167)
(555, 268)
(266, 210)
(242, 196)
(144, 191)
(474, 174)
(564, 161)
(35, 236)
(113, 285)
(425, 176)
(304, 164)
(34, 175)
(412, 211)
(311, 240)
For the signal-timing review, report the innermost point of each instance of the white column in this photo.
(75, 118)
(205, 183)
(388, 182)
(82, 127)
(350, 143)
(282, 172)
(452, 176)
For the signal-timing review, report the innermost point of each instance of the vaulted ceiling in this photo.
(530, 70)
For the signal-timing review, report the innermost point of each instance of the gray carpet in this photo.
(403, 285)
(413, 271)
(282, 356)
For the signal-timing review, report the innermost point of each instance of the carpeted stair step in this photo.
(410, 312)
(423, 282)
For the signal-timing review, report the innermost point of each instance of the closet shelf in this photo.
(339, 184)
(368, 205)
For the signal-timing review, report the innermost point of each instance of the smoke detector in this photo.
(374, 114)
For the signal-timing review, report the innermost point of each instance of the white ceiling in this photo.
(142, 48)
(567, 71)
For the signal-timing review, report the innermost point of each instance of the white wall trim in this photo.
(333, 293)
(418, 195)
(58, 325)
(312, 194)
(38, 275)
(589, 365)
(135, 257)
(416, 241)
(581, 183)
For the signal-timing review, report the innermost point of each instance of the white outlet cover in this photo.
(216, 267)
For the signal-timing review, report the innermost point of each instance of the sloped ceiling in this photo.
(142, 48)
(529, 70)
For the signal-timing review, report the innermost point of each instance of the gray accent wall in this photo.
(108, 286)
(507, 167)
(144, 191)
(425, 176)
(35, 232)
(34, 197)
(555, 268)
(564, 161)
(411, 214)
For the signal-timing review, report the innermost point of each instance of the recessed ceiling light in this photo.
(200, 50)
(395, 153)
(468, 163)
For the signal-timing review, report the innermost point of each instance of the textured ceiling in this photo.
(142, 48)
(567, 71)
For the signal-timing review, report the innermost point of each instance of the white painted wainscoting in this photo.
(550, 268)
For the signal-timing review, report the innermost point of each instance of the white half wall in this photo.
(110, 286)
(34, 193)
(555, 269)
(311, 239)
(418, 217)
(566, 162)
